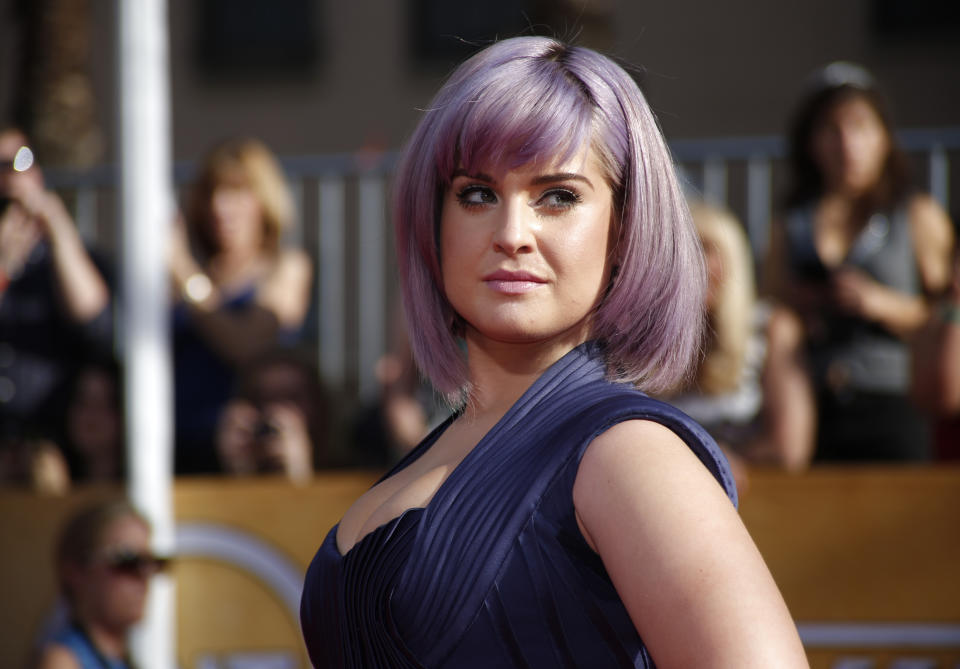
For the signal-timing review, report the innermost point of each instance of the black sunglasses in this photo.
(136, 564)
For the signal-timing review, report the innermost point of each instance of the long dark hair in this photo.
(827, 92)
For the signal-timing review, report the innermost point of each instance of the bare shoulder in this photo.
(923, 206)
(286, 291)
(638, 464)
(642, 451)
(928, 221)
(55, 656)
(294, 261)
(933, 240)
(682, 562)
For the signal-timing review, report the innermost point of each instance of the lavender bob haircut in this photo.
(536, 100)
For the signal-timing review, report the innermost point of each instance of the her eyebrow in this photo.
(540, 180)
(479, 176)
(562, 176)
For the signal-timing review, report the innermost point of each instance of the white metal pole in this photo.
(146, 209)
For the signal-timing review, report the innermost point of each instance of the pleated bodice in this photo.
(494, 572)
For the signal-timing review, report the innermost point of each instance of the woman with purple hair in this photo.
(560, 516)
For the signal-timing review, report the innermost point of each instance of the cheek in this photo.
(877, 148)
(460, 244)
(582, 261)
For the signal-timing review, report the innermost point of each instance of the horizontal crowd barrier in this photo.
(867, 559)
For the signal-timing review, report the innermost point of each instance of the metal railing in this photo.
(343, 224)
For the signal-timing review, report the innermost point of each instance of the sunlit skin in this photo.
(525, 253)
(850, 146)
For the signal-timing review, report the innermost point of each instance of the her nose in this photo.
(514, 232)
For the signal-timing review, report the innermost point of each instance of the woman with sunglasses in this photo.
(104, 563)
(560, 517)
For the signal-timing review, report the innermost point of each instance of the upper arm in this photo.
(933, 242)
(789, 404)
(681, 560)
(286, 292)
(55, 656)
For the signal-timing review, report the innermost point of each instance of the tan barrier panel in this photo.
(867, 560)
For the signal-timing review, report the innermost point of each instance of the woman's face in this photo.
(93, 417)
(850, 146)
(108, 590)
(525, 252)
(236, 219)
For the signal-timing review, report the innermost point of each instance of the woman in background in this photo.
(104, 565)
(751, 390)
(857, 255)
(241, 292)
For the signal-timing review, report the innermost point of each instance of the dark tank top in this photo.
(494, 572)
(861, 354)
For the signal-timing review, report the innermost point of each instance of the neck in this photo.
(501, 372)
(110, 642)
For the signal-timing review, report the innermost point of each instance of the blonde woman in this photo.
(751, 390)
(239, 291)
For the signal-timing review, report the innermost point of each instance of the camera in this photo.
(264, 430)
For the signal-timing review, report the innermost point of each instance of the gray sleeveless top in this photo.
(850, 353)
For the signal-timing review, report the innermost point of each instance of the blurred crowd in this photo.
(248, 398)
(845, 347)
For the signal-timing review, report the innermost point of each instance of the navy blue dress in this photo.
(494, 572)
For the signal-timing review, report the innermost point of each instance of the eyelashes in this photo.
(556, 200)
(474, 196)
(560, 198)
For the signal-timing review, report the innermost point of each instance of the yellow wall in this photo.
(856, 552)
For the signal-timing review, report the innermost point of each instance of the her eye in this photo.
(475, 196)
(559, 198)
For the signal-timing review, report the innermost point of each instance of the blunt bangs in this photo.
(505, 125)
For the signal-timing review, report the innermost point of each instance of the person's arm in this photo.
(933, 242)
(83, 290)
(679, 556)
(239, 336)
(789, 409)
(949, 356)
(898, 312)
(936, 355)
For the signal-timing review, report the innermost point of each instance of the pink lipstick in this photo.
(512, 283)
